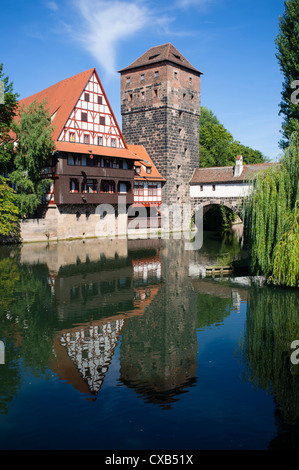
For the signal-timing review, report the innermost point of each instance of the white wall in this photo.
(221, 190)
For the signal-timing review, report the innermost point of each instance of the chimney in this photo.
(238, 166)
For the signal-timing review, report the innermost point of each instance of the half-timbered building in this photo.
(92, 163)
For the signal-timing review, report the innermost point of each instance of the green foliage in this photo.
(9, 213)
(7, 112)
(217, 146)
(287, 42)
(272, 211)
(33, 149)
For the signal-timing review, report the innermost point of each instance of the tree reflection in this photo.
(272, 324)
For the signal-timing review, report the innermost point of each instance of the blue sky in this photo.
(231, 41)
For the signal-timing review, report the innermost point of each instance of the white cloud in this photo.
(104, 24)
(52, 6)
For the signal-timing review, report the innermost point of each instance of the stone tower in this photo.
(160, 107)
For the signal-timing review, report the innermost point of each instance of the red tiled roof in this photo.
(165, 52)
(95, 150)
(62, 97)
(225, 174)
(144, 159)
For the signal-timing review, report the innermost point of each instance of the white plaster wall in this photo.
(221, 190)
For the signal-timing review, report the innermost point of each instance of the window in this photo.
(142, 76)
(74, 185)
(213, 187)
(201, 187)
(155, 92)
(148, 170)
(102, 120)
(152, 189)
(176, 75)
(137, 169)
(108, 186)
(84, 117)
(138, 189)
(70, 160)
(113, 142)
(142, 95)
(100, 99)
(89, 186)
(100, 140)
(73, 159)
(128, 80)
(86, 138)
(86, 96)
(190, 80)
(123, 188)
(156, 74)
(72, 136)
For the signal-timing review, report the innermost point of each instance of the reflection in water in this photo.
(68, 307)
(159, 350)
(272, 324)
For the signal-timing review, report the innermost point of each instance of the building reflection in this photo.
(158, 352)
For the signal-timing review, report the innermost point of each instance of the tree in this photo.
(9, 213)
(287, 42)
(34, 147)
(8, 110)
(273, 218)
(217, 146)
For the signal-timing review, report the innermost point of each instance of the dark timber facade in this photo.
(160, 107)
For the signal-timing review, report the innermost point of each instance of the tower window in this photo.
(142, 76)
(190, 80)
(128, 80)
(130, 97)
(176, 75)
(156, 74)
(142, 95)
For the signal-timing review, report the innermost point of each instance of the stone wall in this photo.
(68, 222)
(162, 114)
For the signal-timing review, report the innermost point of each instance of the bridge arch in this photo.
(235, 205)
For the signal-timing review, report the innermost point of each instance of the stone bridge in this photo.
(226, 186)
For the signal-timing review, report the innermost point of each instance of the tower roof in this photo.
(163, 53)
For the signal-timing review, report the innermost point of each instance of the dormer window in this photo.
(148, 170)
(137, 169)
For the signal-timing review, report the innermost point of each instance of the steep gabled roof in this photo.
(61, 99)
(143, 160)
(225, 174)
(163, 53)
